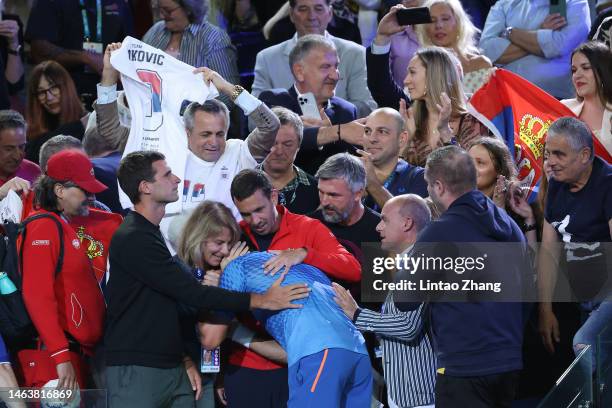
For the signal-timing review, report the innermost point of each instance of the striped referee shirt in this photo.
(408, 360)
(202, 45)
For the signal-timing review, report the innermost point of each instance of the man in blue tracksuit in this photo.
(477, 341)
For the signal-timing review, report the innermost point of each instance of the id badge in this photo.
(93, 47)
(210, 360)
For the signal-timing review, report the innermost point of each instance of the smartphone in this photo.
(309, 106)
(558, 6)
(414, 15)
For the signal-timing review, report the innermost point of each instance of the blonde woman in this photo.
(452, 28)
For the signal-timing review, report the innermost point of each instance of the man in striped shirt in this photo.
(408, 359)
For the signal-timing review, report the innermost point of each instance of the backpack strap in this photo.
(60, 231)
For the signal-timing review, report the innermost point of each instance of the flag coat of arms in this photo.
(520, 114)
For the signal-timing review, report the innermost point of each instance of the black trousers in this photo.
(488, 391)
(249, 388)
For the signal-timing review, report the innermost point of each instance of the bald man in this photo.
(387, 174)
(410, 362)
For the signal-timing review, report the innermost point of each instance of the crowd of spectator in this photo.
(239, 279)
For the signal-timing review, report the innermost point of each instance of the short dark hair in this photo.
(11, 119)
(247, 182)
(454, 167)
(135, 168)
(292, 3)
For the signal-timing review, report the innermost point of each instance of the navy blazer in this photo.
(380, 81)
(340, 111)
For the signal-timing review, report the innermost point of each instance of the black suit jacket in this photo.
(339, 111)
(380, 82)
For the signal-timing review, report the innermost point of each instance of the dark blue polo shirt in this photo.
(405, 179)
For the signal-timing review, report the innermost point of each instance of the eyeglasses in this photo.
(167, 12)
(54, 90)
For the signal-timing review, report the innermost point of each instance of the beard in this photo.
(336, 217)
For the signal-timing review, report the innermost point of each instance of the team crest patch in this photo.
(76, 244)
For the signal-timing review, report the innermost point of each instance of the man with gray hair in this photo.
(272, 68)
(410, 364)
(15, 170)
(297, 190)
(578, 214)
(57, 144)
(314, 65)
(342, 181)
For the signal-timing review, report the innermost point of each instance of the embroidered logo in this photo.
(95, 248)
(40, 242)
(76, 244)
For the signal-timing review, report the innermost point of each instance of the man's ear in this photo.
(298, 72)
(144, 187)
(359, 195)
(585, 155)
(403, 140)
(58, 190)
(408, 223)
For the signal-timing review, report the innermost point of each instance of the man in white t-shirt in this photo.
(212, 161)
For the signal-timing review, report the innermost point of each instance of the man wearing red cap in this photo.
(67, 308)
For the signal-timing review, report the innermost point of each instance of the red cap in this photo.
(74, 165)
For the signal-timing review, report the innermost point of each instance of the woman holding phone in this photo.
(438, 114)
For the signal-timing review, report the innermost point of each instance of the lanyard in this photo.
(386, 184)
(86, 30)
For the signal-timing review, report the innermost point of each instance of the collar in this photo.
(293, 41)
(282, 213)
(407, 250)
(194, 28)
(327, 105)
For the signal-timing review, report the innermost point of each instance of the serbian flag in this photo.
(95, 232)
(520, 113)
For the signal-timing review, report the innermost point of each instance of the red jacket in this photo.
(95, 232)
(70, 302)
(324, 252)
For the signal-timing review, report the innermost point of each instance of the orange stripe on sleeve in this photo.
(314, 384)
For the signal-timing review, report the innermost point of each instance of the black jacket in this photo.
(143, 292)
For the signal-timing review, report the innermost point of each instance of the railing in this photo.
(574, 389)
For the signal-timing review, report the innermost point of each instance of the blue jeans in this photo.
(599, 317)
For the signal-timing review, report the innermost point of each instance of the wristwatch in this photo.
(14, 51)
(506, 33)
(529, 227)
(237, 91)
